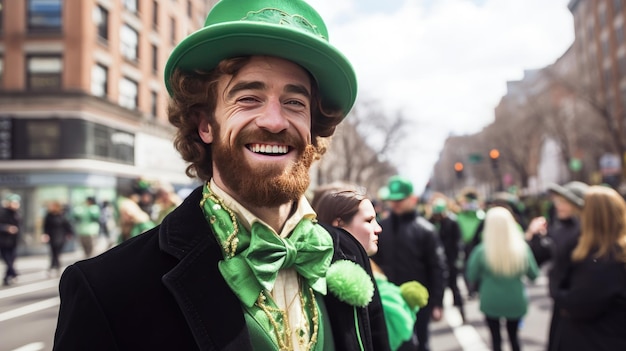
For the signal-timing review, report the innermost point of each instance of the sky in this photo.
(443, 64)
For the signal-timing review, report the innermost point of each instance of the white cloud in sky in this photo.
(443, 63)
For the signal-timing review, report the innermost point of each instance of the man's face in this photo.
(403, 206)
(261, 138)
(564, 208)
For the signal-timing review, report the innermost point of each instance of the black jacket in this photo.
(409, 249)
(450, 236)
(8, 217)
(162, 290)
(593, 306)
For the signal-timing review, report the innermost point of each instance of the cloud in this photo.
(444, 63)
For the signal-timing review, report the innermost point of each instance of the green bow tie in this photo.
(309, 249)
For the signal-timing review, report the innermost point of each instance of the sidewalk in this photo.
(34, 267)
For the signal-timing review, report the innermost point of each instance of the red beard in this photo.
(268, 185)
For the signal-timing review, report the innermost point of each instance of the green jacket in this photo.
(87, 219)
(399, 317)
(500, 296)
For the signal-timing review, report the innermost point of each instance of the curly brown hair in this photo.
(194, 95)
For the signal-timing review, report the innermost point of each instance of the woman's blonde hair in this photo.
(506, 252)
(603, 225)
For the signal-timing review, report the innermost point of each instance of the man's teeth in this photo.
(269, 149)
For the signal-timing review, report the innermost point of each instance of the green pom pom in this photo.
(350, 283)
(415, 294)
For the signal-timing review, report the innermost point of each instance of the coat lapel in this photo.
(212, 311)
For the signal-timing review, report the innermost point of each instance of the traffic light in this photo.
(458, 168)
(494, 155)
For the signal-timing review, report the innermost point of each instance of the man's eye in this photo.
(295, 103)
(247, 99)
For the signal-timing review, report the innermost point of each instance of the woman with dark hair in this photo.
(592, 298)
(347, 208)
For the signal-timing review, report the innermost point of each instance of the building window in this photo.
(1, 15)
(155, 14)
(154, 102)
(6, 136)
(101, 20)
(189, 9)
(101, 141)
(1, 70)
(44, 138)
(173, 30)
(619, 35)
(155, 59)
(130, 5)
(44, 15)
(44, 72)
(128, 93)
(129, 41)
(617, 6)
(99, 81)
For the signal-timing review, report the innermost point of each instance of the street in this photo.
(28, 313)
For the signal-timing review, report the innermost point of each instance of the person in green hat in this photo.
(409, 249)
(242, 263)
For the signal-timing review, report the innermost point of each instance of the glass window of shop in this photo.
(44, 138)
(70, 138)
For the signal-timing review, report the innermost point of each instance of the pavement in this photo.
(34, 266)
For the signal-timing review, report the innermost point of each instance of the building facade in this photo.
(82, 98)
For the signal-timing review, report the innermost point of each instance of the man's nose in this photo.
(273, 118)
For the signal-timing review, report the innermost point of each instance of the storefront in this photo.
(70, 159)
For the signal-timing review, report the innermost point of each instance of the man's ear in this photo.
(205, 131)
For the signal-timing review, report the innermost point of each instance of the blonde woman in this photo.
(592, 298)
(500, 262)
(133, 219)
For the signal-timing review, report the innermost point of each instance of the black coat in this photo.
(162, 290)
(409, 249)
(593, 306)
(9, 217)
(450, 235)
(58, 227)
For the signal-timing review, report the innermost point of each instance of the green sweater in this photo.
(500, 296)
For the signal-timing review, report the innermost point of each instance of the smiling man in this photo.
(241, 264)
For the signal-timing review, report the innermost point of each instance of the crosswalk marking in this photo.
(25, 289)
(466, 335)
(34, 307)
(34, 346)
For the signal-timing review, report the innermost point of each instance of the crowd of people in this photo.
(86, 222)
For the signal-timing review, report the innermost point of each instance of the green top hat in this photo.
(292, 30)
(399, 188)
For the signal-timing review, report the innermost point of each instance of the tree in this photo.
(360, 148)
